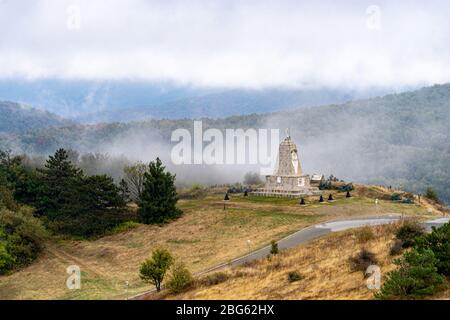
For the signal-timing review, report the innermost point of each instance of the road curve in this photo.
(313, 232)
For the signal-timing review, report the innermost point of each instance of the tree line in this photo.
(64, 200)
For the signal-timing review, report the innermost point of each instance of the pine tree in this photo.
(415, 278)
(58, 176)
(159, 196)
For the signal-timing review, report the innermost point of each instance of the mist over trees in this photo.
(399, 139)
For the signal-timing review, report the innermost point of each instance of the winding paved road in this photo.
(314, 232)
(322, 229)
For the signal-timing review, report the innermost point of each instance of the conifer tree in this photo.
(58, 176)
(159, 197)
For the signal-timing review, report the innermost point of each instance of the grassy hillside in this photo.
(205, 236)
(322, 265)
(400, 139)
(16, 118)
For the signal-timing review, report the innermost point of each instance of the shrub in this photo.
(362, 261)
(396, 248)
(408, 232)
(432, 195)
(196, 191)
(415, 278)
(179, 279)
(438, 241)
(154, 269)
(21, 238)
(365, 234)
(7, 199)
(7, 261)
(91, 224)
(294, 276)
(396, 197)
(215, 278)
(274, 247)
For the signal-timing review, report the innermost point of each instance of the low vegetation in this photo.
(416, 277)
(154, 270)
(214, 234)
(326, 274)
(274, 248)
(294, 276)
(180, 278)
(21, 238)
(408, 232)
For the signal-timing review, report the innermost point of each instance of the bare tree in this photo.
(134, 176)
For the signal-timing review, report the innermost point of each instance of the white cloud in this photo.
(228, 43)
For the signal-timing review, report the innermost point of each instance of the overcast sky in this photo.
(228, 43)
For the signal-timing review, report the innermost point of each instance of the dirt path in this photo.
(62, 255)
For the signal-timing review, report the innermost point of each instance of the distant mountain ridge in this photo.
(110, 101)
(398, 139)
(229, 103)
(16, 118)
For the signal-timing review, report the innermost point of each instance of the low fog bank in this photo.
(399, 140)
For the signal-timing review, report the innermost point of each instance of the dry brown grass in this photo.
(205, 236)
(324, 265)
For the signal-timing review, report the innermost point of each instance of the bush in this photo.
(21, 238)
(179, 279)
(215, 278)
(7, 261)
(408, 232)
(7, 199)
(415, 278)
(294, 276)
(396, 248)
(365, 234)
(362, 261)
(196, 191)
(438, 241)
(91, 224)
(396, 197)
(432, 195)
(274, 247)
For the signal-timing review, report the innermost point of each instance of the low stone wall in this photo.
(286, 193)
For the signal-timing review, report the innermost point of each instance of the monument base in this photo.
(263, 192)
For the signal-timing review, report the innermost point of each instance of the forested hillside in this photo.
(15, 118)
(227, 103)
(400, 139)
